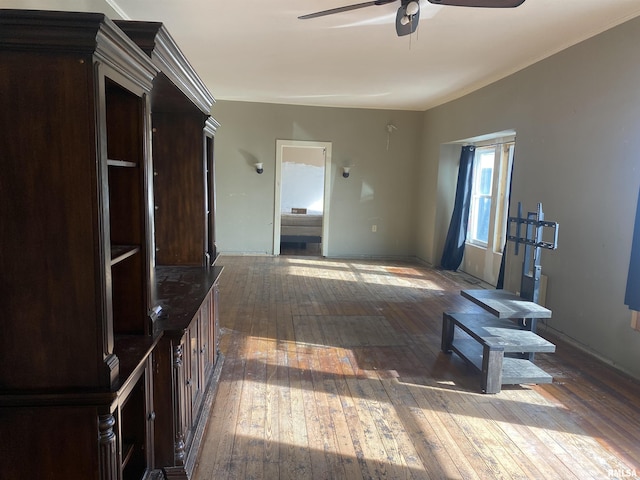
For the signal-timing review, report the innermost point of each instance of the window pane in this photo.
(484, 173)
(480, 214)
(482, 225)
(485, 181)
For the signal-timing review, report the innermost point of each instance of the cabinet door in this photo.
(182, 397)
(195, 380)
(215, 323)
(206, 343)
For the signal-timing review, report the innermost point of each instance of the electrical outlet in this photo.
(374, 228)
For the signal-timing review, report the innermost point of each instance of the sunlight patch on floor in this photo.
(359, 277)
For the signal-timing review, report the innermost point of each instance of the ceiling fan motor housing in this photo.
(407, 17)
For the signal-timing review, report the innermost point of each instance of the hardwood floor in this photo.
(333, 370)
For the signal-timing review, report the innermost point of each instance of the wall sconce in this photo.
(345, 172)
(259, 168)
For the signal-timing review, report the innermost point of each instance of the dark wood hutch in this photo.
(109, 297)
(183, 134)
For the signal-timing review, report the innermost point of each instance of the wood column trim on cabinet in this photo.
(108, 447)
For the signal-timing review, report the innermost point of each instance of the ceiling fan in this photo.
(409, 10)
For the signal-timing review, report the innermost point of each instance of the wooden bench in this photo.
(497, 347)
(504, 304)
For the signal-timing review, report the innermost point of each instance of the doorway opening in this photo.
(302, 191)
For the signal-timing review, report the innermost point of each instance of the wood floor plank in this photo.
(620, 441)
(371, 444)
(295, 455)
(460, 443)
(222, 443)
(329, 418)
(326, 382)
(465, 416)
(437, 459)
(256, 432)
(333, 370)
(396, 434)
(367, 453)
(546, 432)
(530, 451)
(223, 420)
(393, 441)
(312, 417)
(239, 457)
(584, 449)
(272, 396)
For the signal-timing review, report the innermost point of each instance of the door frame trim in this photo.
(280, 145)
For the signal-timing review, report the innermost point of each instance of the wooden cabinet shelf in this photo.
(121, 163)
(120, 253)
(127, 453)
(132, 350)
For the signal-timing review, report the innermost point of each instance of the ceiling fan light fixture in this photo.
(406, 22)
(412, 8)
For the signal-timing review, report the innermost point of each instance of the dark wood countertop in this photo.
(180, 292)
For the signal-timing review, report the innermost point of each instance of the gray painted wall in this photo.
(381, 189)
(577, 118)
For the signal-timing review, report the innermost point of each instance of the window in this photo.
(480, 211)
(489, 193)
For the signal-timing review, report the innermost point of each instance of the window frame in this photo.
(477, 197)
(504, 149)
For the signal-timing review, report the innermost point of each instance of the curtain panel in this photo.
(632, 294)
(457, 234)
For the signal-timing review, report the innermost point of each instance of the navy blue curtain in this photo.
(632, 295)
(457, 234)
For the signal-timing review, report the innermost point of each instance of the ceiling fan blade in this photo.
(345, 9)
(480, 3)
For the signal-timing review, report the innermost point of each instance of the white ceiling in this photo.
(259, 51)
